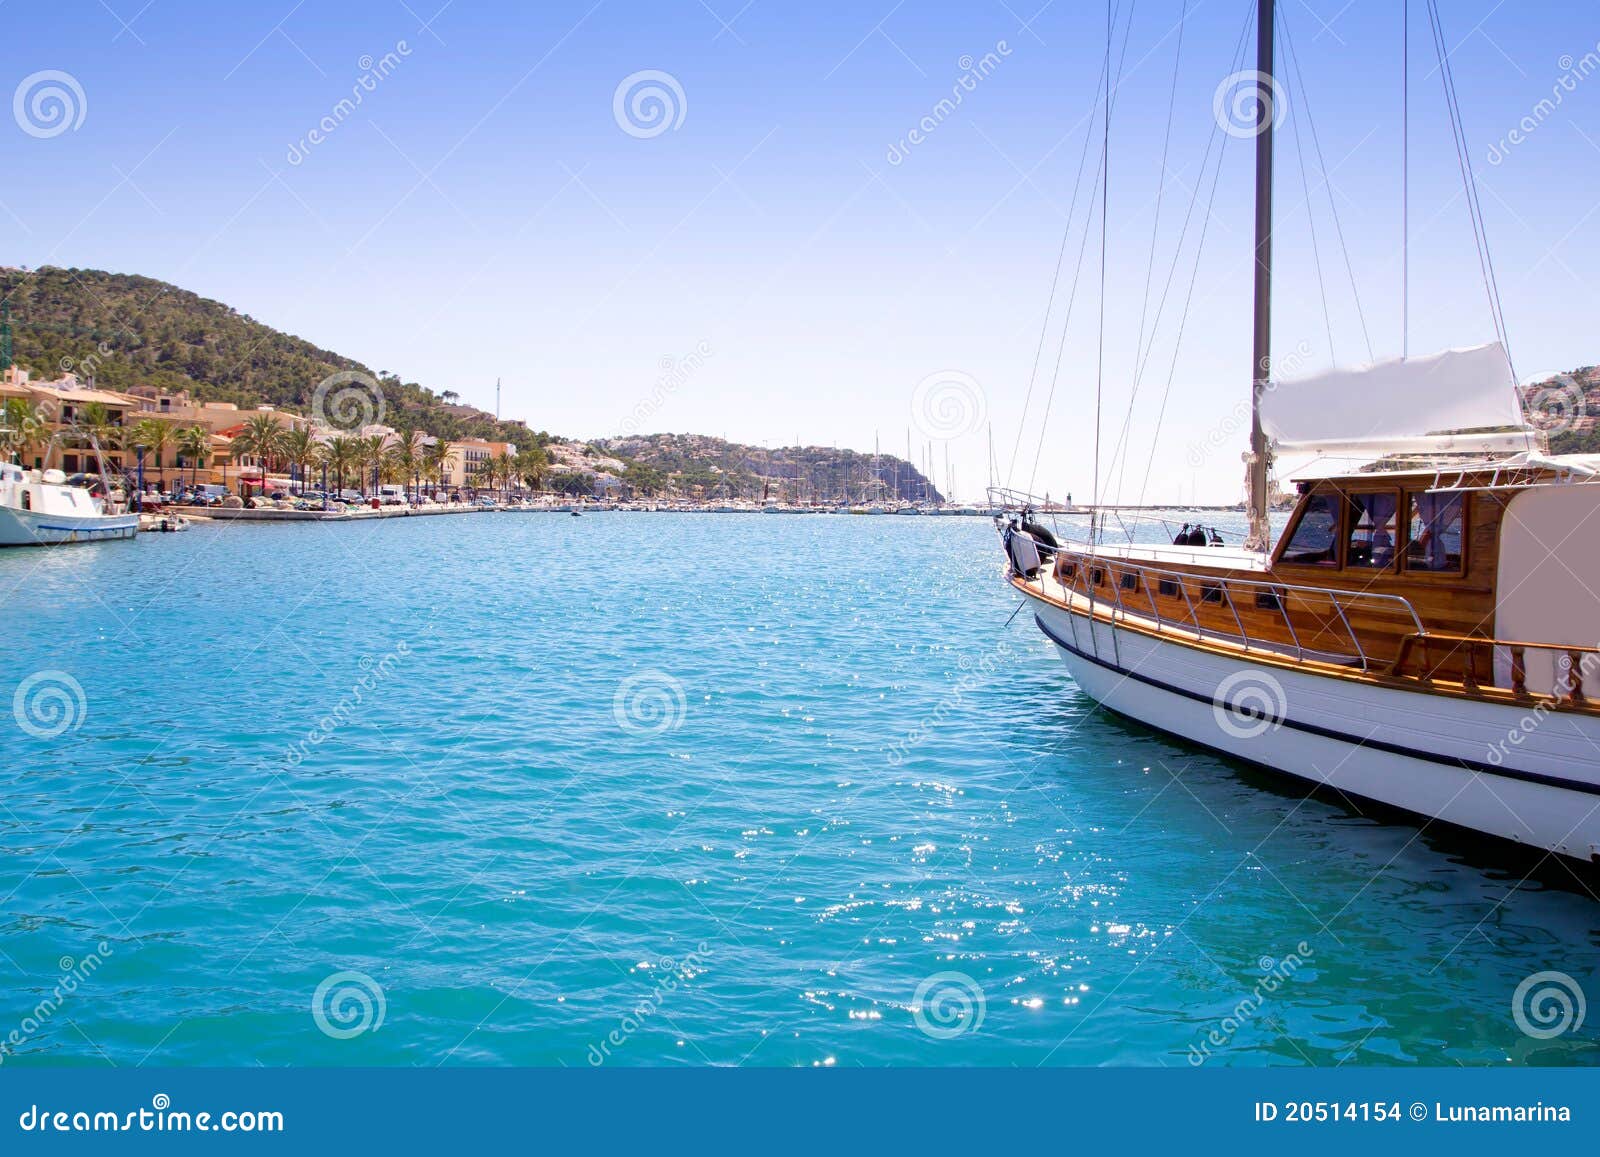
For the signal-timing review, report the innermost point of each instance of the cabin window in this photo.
(1211, 593)
(1269, 601)
(1129, 581)
(1373, 542)
(1097, 577)
(1069, 571)
(1315, 541)
(1168, 588)
(1437, 533)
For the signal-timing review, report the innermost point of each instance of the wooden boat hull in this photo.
(1505, 770)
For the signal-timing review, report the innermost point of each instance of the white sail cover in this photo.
(1395, 406)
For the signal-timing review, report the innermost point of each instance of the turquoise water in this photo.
(672, 789)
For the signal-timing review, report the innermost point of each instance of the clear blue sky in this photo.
(483, 214)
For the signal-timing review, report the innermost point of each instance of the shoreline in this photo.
(247, 514)
(227, 514)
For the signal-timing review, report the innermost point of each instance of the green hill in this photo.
(1568, 407)
(699, 466)
(129, 330)
(136, 331)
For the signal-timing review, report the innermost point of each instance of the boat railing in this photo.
(1512, 475)
(1105, 524)
(1478, 662)
(1005, 498)
(1091, 578)
(1158, 551)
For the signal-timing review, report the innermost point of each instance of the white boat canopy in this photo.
(1404, 406)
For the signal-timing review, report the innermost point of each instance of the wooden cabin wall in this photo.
(1456, 604)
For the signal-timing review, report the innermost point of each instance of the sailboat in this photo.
(1424, 631)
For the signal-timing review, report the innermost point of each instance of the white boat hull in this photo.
(1531, 777)
(39, 528)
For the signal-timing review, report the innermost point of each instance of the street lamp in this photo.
(138, 494)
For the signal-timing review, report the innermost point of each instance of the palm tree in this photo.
(408, 454)
(531, 466)
(23, 427)
(13, 415)
(163, 435)
(262, 437)
(153, 435)
(438, 458)
(372, 450)
(504, 468)
(341, 455)
(95, 426)
(299, 448)
(392, 466)
(194, 445)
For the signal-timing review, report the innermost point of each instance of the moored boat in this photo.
(40, 509)
(1424, 633)
(1414, 639)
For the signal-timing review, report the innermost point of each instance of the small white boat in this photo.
(42, 510)
(169, 522)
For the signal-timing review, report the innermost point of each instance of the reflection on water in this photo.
(660, 789)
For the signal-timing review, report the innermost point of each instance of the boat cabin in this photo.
(46, 493)
(1484, 577)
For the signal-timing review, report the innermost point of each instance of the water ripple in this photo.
(651, 789)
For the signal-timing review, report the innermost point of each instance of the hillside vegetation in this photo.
(704, 467)
(126, 330)
(1567, 407)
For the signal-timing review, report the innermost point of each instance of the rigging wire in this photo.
(1405, 179)
(1183, 324)
(1194, 276)
(1044, 326)
(1105, 213)
(1322, 166)
(1061, 346)
(1161, 176)
(1311, 219)
(1143, 356)
(1119, 459)
(1470, 182)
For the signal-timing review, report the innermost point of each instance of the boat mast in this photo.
(1260, 537)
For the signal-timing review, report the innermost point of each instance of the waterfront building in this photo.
(469, 458)
(62, 404)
